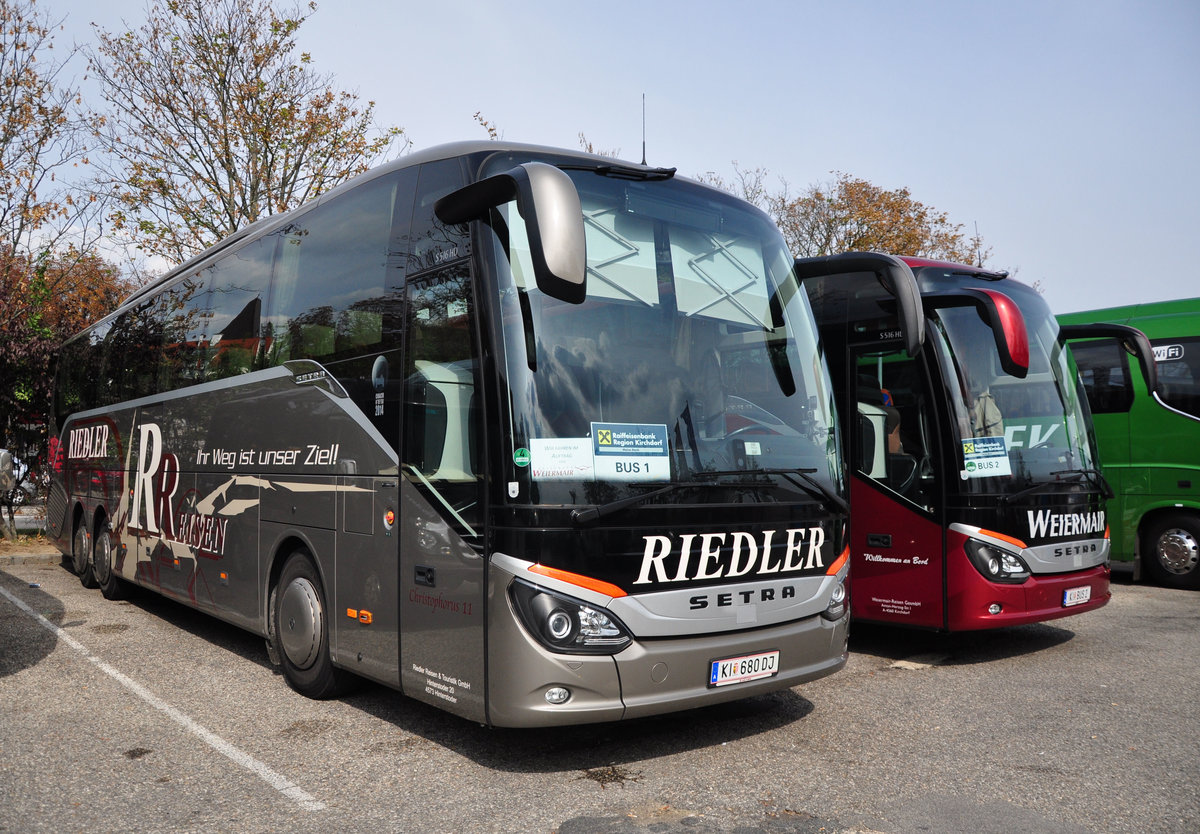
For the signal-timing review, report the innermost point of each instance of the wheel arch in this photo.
(284, 547)
(1152, 515)
(78, 513)
(1143, 557)
(99, 516)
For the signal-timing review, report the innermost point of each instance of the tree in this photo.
(750, 185)
(586, 145)
(49, 283)
(493, 132)
(214, 122)
(41, 147)
(60, 294)
(851, 214)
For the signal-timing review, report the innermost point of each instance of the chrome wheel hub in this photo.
(102, 558)
(1178, 551)
(79, 555)
(300, 623)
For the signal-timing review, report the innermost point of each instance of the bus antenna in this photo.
(643, 128)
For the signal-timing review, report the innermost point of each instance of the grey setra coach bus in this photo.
(534, 436)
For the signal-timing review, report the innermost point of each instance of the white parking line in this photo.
(275, 780)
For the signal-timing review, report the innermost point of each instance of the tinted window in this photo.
(131, 352)
(1178, 363)
(894, 433)
(78, 366)
(330, 277)
(1104, 372)
(433, 243)
(442, 413)
(186, 334)
(238, 291)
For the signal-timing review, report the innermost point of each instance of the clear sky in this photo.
(1068, 133)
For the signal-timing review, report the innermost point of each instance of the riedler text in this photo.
(706, 556)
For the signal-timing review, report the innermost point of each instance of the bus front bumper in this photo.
(652, 677)
(1039, 598)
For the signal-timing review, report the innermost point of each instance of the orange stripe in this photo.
(837, 564)
(599, 586)
(1004, 538)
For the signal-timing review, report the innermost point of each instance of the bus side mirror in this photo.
(893, 274)
(1001, 315)
(1133, 340)
(549, 204)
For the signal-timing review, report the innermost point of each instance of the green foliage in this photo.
(851, 214)
(215, 122)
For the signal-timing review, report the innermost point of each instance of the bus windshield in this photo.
(693, 360)
(1014, 433)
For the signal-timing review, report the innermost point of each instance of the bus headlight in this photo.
(564, 624)
(839, 602)
(995, 564)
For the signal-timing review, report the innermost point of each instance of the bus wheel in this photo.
(1171, 550)
(81, 555)
(111, 585)
(301, 629)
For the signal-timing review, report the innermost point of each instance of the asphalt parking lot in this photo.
(146, 716)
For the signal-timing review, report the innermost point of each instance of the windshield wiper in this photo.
(590, 514)
(624, 172)
(798, 477)
(1093, 476)
(804, 479)
(1043, 486)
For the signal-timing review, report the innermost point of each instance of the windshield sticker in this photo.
(521, 456)
(1033, 435)
(614, 452)
(561, 458)
(985, 457)
(631, 451)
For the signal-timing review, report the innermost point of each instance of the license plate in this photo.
(1076, 596)
(749, 667)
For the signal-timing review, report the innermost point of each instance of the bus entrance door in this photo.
(896, 539)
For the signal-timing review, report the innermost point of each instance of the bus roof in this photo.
(950, 266)
(438, 152)
(1137, 312)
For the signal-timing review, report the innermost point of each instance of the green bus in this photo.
(1149, 435)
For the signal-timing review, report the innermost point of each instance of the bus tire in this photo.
(1171, 550)
(81, 554)
(111, 585)
(300, 628)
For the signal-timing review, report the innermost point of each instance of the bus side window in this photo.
(328, 291)
(431, 242)
(893, 443)
(239, 290)
(78, 374)
(185, 332)
(131, 352)
(1104, 371)
(1178, 363)
(442, 417)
